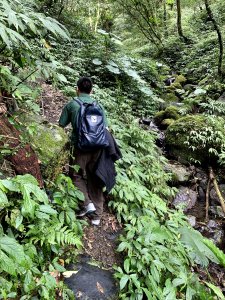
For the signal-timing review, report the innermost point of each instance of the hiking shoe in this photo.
(88, 209)
(95, 222)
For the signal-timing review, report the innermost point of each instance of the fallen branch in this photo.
(212, 177)
(207, 201)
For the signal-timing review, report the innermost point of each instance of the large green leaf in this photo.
(199, 251)
(3, 199)
(217, 291)
(11, 254)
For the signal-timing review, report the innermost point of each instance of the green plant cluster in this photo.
(25, 37)
(34, 234)
(197, 138)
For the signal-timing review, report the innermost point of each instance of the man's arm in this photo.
(65, 117)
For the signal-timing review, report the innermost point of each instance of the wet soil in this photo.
(100, 242)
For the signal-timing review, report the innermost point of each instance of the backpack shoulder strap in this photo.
(78, 101)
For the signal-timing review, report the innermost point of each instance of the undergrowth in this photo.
(159, 245)
(34, 234)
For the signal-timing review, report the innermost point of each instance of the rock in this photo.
(202, 178)
(199, 91)
(212, 224)
(213, 195)
(170, 97)
(185, 198)
(180, 173)
(189, 87)
(186, 139)
(159, 116)
(169, 81)
(91, 282)
(201, 194)
(49, 141)
(160, 140)
(180, 79)
(216, 211)
(174, 86)
(166, 122)
(170, 114)
(192, 220)
(218, 237)
(177, 104)
(222, 97)
(146, 121)
(153, 127)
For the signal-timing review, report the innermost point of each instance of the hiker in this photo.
(92, 175)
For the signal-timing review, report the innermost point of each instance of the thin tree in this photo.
(220, 38)
(144, 14)
(179, 21)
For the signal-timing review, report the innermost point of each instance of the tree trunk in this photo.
(165, 18)
(97, 17)
(179, 23)
(220, 38)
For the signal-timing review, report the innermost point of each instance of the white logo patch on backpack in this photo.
(94, 119)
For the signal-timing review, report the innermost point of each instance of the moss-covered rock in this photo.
(196, 138)
(170, 97)
(50, 143)
(180, 79)
(167, 122)
(171, 112)
(174, 86)
(180, 173)
(165, 118)
(159, 116)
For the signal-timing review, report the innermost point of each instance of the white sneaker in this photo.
(88, 209)
(95, 222)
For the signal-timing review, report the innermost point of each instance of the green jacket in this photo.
(69, 114)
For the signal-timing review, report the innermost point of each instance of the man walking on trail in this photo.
(85, 178)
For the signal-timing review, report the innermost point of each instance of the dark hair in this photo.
(84, 85)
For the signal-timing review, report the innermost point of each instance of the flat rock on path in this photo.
(90, 282)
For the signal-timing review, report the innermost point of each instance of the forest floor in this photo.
(100, 242)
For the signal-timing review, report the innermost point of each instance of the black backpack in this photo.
(91, 131)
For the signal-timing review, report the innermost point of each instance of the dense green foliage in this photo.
(34, 234)
(159, 246)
